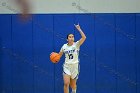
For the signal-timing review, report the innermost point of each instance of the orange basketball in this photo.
(54, 57)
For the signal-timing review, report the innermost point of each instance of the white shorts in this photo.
(72, 70)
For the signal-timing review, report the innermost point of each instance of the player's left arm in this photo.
(83, 36)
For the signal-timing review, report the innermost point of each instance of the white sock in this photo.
(73, 91)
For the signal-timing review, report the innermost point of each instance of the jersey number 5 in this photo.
(70, 56)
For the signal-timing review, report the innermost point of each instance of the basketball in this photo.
(54, 57)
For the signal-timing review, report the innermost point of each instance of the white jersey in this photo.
(71, 52)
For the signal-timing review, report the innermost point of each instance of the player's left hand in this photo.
(78, 27)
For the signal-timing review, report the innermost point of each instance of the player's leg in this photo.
(74, 77)
(66, 82)
(73, 85)
(66, 77)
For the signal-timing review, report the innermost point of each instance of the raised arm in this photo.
(83, 36)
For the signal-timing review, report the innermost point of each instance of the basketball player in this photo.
(71, 64)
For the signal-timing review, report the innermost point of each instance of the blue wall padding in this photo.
(109, 58)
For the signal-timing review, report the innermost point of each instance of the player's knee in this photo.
(73, 86)
(66, 83)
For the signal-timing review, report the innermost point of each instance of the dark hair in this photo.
(69, 34)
